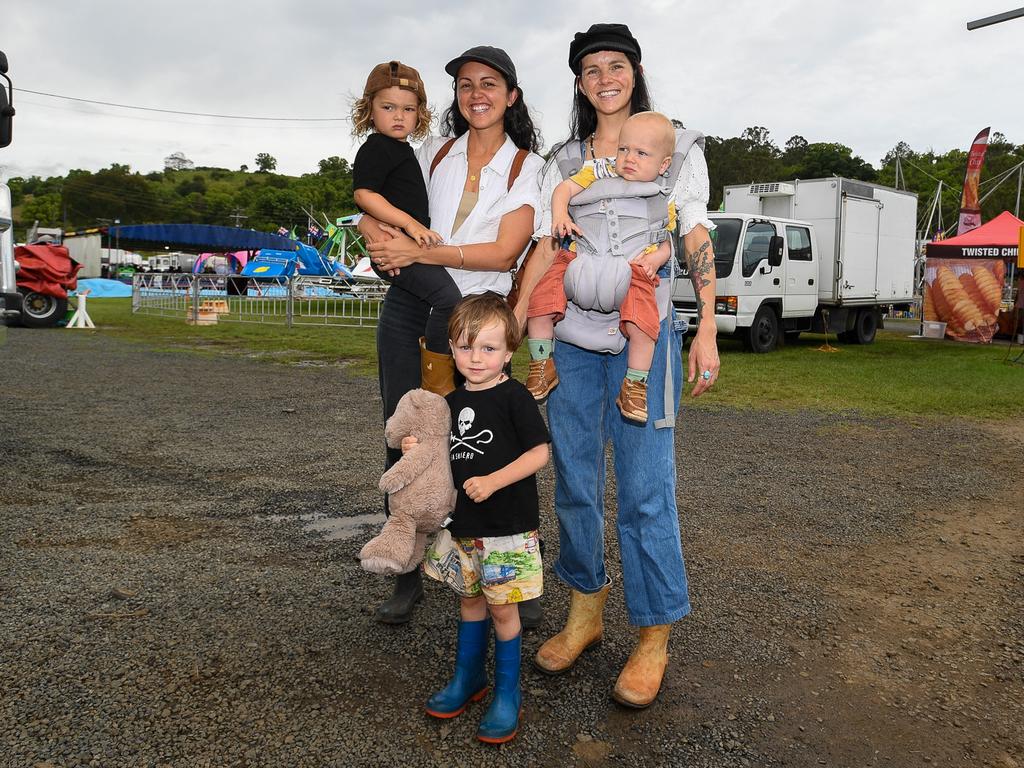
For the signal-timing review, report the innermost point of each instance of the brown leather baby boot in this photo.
(437, 371)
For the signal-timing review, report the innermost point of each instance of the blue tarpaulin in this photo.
(197, 237)
(100, 288)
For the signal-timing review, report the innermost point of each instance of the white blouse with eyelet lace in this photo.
(691, 193)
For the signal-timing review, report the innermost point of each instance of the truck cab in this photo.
(766, 272)
(10, 299)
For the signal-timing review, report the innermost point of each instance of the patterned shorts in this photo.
(504, 569)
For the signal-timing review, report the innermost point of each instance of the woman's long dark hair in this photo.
(583, 119)
(518, 123)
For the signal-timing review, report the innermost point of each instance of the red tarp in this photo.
(995, 240)
(47, 269)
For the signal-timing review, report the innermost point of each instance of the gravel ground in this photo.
(179, 585)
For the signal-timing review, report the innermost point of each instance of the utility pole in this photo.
(238, 216)
(996, 19)
(1020, 180)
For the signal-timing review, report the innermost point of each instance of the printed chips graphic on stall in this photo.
(965, 295)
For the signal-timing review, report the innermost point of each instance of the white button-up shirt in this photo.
(445, 189)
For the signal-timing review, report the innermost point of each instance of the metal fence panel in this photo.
(299, 300)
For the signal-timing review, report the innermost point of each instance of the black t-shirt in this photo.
(490, 429)
(389, 167)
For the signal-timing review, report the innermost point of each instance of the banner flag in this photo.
(970, 208)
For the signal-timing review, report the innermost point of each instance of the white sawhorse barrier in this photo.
(81, 317)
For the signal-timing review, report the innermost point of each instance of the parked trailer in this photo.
(811, 255)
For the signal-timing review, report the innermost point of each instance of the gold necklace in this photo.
(472, 177)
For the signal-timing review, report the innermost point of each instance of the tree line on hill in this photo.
(264, 200)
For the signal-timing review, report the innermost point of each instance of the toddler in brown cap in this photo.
(388, 185)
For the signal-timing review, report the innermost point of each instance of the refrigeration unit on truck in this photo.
(808, 255)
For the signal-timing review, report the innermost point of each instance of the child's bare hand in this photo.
(408, 443)
(480, 488)
(422, 235)
(564, 228)
(646, 262)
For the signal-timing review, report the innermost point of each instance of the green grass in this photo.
(895, 376)
(276, 343)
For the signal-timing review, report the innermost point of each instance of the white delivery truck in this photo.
(808, 255)
(10, 299)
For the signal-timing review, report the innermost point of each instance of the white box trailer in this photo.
(808, 255)
(87, 250)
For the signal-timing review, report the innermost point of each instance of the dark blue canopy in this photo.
(197, 237)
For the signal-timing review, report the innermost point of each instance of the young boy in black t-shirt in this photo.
(389, 186)
(492, 559)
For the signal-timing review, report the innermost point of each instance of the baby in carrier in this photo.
(646, 143)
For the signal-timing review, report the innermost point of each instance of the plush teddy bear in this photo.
(420, 490)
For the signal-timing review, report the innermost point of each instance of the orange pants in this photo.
(638, 307)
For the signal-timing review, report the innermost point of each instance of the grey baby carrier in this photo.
(618, 218)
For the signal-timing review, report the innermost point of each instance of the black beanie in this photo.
(602, 37)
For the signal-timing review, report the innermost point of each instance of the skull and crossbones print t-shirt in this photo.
(491, 428)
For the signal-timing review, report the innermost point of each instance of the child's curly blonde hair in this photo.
(362, 119)
(387, 75)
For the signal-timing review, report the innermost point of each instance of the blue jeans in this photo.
(582, 417)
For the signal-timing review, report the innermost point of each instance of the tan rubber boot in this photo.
(583, 629)
(640, 680)
(437, 371)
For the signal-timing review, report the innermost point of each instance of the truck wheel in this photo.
(41, 311)
(865, 327)
(763, 335)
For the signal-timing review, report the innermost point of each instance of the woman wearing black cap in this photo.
(609, 87)
(483, 200)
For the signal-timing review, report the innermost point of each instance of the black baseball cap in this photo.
(485, 54)
(602, 37)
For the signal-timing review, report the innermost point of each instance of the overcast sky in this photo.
(867, 74)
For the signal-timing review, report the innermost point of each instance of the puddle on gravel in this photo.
(333, 528)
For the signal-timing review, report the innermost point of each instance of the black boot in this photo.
(531, 613)
(397, 609)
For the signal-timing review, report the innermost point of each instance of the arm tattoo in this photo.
(700, 264)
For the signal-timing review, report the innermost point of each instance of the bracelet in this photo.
(462, 258)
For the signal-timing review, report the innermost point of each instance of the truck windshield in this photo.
(724, 237)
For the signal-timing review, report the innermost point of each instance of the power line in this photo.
(180, 112)
(82, 110)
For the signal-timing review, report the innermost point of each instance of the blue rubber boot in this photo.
(469, 683)
(502, 719)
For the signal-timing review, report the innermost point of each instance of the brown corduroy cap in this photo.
(393, 73)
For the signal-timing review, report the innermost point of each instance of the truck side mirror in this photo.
(6, 110)
(6, 119)
(775, 247)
